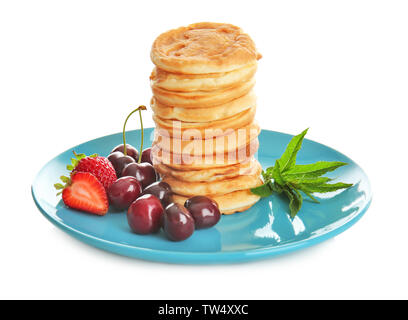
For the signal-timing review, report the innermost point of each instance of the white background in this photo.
(70, 71)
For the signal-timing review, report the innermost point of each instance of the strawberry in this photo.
(84, 192)
(100, 167)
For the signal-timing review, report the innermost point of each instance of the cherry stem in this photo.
(140, 108)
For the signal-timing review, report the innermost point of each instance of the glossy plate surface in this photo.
(263, 231)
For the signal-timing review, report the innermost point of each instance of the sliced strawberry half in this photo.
(100, 167)
(84, 192)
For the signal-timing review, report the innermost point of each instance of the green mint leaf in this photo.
(288, 159)
(276, 174)
(296, 204)
(276, 187)
(291, 179)
(312, 170)
(323, 188)
(295, 200)
(265, 176)
(309, 181)
(269, 171)
(70, 168)
(262, 191)
(310, 196)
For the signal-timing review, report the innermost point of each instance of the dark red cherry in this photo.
(114, 156)
(204, 211)
(119, 161)
(178, 224)
(144, 172)
(145, 214)
(162, 191)
(123, 192)
(147, 155)
(130, 151)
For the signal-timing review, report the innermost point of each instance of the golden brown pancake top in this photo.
(204, 47)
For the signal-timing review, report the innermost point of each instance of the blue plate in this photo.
(263, 231)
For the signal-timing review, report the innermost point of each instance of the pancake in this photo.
(214, 113)
(228, 142)
(241, 182)
(204, 109)
(200, 82)
(228, 203)
(207, 175)
(176, 128)
(201, 99)
(178, 162)
(202, 48)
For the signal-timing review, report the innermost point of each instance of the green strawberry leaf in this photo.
(59, 186)
(79, 156)
(70, 167)
(65, 179)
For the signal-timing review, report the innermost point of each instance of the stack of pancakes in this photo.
(204, 109)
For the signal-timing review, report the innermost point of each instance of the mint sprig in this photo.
(292, 180)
